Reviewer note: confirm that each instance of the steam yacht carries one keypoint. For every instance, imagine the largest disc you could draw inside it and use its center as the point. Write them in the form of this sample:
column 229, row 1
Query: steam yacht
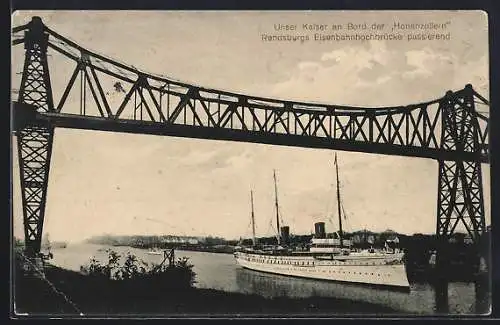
column 325, row 258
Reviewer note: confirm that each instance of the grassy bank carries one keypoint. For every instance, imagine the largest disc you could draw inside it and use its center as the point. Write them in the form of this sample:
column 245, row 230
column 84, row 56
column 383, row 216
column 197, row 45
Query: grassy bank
column 92, row 296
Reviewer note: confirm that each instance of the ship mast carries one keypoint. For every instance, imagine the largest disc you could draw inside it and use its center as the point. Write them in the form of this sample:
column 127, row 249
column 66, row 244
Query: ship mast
column 338, row 201
column 276, row 203
column 253, row 219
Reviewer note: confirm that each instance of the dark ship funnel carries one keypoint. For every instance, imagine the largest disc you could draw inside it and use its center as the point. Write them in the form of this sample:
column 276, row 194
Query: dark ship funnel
column 319, row 230
column 285, row 235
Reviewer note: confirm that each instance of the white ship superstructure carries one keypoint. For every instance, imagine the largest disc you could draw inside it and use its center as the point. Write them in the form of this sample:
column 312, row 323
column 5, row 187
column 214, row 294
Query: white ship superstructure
column 326, row 258
column 378, row 268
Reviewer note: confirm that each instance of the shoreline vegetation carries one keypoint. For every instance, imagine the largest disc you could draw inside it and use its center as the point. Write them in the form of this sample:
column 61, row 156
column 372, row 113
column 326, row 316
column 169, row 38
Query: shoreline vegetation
column 114, row 289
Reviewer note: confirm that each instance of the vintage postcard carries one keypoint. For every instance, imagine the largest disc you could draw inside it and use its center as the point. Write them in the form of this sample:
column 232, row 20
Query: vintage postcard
column 248, row 163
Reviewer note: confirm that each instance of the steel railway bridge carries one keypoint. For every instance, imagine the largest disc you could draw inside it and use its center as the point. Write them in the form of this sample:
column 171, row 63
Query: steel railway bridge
column 451, row 130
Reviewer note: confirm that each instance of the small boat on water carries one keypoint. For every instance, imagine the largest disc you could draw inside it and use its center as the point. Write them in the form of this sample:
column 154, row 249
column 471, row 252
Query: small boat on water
column 155, row 251
column 325, row 258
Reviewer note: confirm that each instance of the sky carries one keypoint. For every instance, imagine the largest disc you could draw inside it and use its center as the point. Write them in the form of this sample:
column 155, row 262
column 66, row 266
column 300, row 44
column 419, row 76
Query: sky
column 126, row 184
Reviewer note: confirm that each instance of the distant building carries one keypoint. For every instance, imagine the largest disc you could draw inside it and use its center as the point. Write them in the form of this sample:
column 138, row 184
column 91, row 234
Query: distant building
column 192, row 241
column 357, row 239
column 468, row 240
column 180, row 240
column 393, row 238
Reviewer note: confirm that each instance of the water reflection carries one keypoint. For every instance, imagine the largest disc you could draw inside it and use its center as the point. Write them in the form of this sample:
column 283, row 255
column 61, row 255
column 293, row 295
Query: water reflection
column 441, row 297
column 271, row 285
column 482, row 289
column 420, row 299
column 220, row 271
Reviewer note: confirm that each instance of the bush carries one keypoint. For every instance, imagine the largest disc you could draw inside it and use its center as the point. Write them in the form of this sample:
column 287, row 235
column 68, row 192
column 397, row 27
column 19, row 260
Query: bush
column 135, row 274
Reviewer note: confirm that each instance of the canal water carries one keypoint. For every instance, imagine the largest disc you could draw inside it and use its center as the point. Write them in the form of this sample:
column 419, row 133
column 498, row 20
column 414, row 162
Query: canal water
column 220, row 271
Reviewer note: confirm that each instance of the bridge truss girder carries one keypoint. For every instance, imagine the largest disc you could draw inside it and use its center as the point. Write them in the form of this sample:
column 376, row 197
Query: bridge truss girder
column 111, row 95
column 449, row 130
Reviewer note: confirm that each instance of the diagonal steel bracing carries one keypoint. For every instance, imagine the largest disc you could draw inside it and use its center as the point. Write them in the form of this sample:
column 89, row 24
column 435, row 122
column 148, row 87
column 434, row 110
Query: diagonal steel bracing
column 34, row 140
column 460, row 188
column 158, row 105
column 449, row 130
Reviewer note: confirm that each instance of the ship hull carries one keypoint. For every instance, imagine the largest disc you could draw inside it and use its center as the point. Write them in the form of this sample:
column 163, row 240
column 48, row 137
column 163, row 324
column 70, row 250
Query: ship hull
column 380, row 271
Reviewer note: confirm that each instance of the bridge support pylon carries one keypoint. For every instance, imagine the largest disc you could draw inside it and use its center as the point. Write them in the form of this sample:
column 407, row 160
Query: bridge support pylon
column 460, row 192
column 34, row 139
column 460, row 188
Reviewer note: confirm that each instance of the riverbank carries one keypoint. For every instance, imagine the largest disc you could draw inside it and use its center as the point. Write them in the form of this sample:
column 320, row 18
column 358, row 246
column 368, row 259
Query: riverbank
column 205, row 249
column 66, row 292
